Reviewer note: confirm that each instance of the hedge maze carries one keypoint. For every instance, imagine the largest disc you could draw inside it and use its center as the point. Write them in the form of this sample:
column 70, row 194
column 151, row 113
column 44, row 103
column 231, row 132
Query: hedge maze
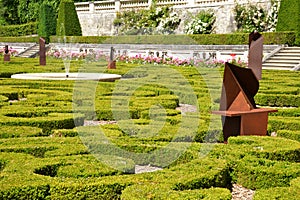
column 43, row 155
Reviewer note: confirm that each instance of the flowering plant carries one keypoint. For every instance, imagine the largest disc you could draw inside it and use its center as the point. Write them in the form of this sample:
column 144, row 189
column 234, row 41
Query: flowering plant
column 12, row 51
column 252, row 17
column 156, row 20
column 75, row 55
column 202, row 23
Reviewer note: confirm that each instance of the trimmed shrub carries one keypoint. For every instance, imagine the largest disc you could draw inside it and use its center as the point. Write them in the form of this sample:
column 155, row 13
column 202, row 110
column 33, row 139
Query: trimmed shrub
column 282, row 193
column 47, row 21
column 263, row 147
column 161, row 191
column 200, row 39
column 289, row 134
column 87, row 191
column 262, row 173
column 67, row 21
column 19, row 131
column 289, row 17
column 19, row 30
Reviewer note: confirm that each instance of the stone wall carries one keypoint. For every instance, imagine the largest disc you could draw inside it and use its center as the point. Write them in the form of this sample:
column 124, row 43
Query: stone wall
column 100, row 22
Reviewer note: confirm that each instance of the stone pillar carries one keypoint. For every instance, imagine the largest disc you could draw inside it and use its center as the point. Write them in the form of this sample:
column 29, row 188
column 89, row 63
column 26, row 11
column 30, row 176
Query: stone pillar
column 91, row 7
column 149, row 3
column 6, row 54
column 117, row 5
column 42, row 51
column 191, row 2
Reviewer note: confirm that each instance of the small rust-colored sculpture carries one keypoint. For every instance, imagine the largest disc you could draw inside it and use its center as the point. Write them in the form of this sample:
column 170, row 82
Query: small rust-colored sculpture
column 6, row 54
column 42, row 52
column 255, row 53
column 240, row 116
column 112, row 61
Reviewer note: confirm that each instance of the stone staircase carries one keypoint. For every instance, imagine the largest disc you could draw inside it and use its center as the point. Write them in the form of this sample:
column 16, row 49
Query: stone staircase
column 30, row 52
column 283, row 58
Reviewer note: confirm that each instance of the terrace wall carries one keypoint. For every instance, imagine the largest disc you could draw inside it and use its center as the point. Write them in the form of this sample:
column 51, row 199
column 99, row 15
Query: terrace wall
column 96, row 18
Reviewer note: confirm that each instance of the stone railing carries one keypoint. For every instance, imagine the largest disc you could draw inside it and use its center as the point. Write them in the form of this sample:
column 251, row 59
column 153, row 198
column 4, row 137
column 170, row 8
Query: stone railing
column 119, row 5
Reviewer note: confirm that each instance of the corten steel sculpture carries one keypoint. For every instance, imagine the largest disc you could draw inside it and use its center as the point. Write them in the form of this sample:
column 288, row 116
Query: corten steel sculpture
column 42, row 52
column 112, row 61
column 240, row 116
column 6, row 54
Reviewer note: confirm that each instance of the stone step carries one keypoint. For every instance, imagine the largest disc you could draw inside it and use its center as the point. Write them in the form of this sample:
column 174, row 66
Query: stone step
column 293, row 62
column 284, row 57
column 279, row 65
column 276, row 68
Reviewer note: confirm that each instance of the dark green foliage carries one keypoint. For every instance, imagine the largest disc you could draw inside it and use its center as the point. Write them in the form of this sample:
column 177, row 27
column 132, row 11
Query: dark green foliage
column 18, row 30
column 201, row 39
column 289, row 17
column 68, row 22
column 47, row 21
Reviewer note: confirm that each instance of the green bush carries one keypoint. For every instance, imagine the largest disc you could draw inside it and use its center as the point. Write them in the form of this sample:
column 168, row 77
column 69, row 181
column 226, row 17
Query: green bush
column 19, row 131
column 200, row 39
column 293, row 135
column 263, row 147
column 262, row 173
column 18, row 30
column 154, row 191
column 284, row 123
column 47, row 21
column 289, row 17
column 278, row 100
column 67, row 21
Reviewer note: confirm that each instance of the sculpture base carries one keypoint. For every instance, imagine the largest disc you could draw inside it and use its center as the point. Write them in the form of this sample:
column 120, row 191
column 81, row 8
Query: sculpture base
column 6, row 57
column 111, row 65
column 253, row 122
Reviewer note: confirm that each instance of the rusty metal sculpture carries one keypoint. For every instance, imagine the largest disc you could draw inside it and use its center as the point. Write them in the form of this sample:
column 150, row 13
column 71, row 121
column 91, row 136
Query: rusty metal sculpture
column 42, row 52
column 240, row 116
column 6, row 54
column 112, row 61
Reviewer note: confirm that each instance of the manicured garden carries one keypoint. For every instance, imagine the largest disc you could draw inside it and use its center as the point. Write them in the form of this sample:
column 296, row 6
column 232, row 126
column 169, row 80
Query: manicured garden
column 47, row 153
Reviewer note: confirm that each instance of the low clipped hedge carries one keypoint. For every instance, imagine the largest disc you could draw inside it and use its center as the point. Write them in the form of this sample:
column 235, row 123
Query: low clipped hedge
column 154, row 191
column 290, row 193
column 19, row 131
column 46, row 123
column 263, row 147
column 261, row 173
column 284, row 123
column 289, row 134
column 201, row 39
column 278, row 100
column 19, row 30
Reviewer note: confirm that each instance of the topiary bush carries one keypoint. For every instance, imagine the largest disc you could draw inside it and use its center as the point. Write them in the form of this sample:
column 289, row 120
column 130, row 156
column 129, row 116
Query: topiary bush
column 289, row 17
column 67, row 21
column 47, row 21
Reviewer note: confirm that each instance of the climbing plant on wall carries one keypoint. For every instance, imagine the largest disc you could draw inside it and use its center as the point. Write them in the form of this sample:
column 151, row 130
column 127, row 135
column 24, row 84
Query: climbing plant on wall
column 252, row 17
column 156, row 20
column 201, row 23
